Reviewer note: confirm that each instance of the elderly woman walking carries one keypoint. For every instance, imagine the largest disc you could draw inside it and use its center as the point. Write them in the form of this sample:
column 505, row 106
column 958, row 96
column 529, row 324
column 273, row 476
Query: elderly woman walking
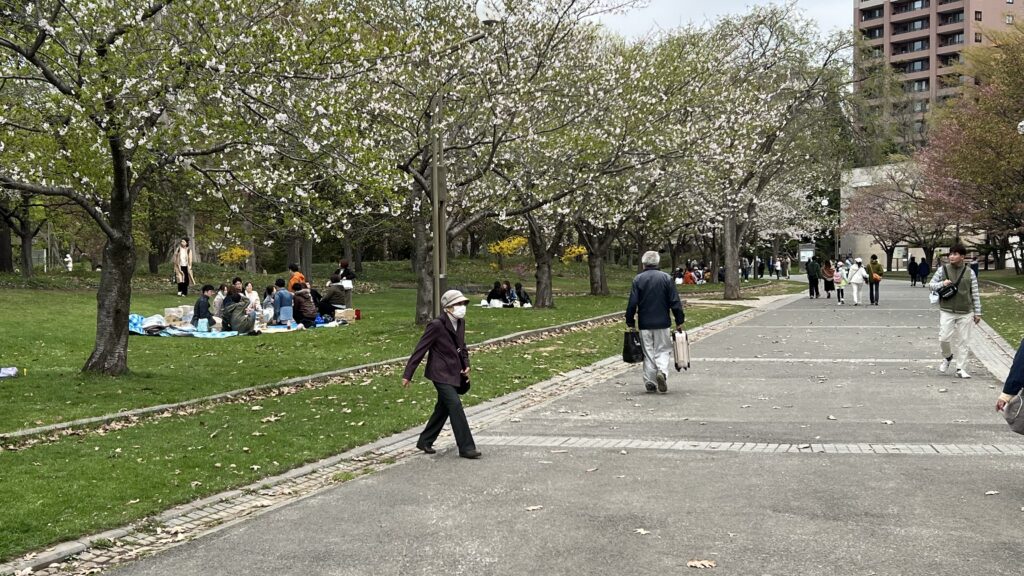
column 448, row 368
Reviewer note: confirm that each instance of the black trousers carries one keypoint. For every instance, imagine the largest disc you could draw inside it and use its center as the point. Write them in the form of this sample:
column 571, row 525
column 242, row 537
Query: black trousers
column 183, row 286
column 812, row 281
column 873, row 291
column 448, row 407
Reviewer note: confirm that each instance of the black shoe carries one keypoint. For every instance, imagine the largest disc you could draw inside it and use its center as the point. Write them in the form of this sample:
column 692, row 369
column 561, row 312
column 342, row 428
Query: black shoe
column 426, row 448
column 650, row 387
column 471, row 454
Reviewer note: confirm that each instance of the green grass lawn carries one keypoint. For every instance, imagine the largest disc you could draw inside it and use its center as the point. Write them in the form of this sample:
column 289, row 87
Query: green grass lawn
column 1004, row 307
column 84, row 484
column 52, row 347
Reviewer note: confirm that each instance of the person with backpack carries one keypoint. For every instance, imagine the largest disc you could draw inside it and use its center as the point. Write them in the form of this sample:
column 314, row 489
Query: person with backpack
column 959, row 309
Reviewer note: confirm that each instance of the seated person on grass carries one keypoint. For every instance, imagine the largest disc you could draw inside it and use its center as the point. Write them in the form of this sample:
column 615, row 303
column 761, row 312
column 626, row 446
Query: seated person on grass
column 333, row 297
column 268, row 304
column 218, row 300
column 509, row 295
column 305, row 309
column 236, row 315
column 496, row 293
column 524, row 298
column 283, row 303
column 203, row 308
column 298, row 279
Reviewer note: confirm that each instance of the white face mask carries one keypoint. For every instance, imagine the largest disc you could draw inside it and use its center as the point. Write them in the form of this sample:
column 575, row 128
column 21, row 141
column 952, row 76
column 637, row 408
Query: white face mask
column 459, row 311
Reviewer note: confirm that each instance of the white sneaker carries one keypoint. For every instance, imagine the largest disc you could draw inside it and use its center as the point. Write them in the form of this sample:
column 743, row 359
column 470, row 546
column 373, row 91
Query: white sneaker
column 961, row 373
column 944, row 365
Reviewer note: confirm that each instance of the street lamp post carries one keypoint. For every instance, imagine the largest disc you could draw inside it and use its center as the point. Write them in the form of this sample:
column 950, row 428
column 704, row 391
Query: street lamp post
column 490, row 13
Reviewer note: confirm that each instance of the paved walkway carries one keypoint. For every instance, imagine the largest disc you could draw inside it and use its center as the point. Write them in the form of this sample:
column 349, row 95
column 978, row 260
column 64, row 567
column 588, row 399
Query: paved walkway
column 808, row 439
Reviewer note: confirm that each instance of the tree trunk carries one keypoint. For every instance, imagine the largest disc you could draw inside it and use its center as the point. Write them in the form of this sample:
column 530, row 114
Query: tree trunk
column 357, row 259
column 294, row 250
column 423, row 265
column 306, row 264
column 474, row 245
column 598, row 278
column 250, row 245
column 153, row 259
column 6, row 246
column 544, row 298
column 346, row 249
column 26, row 234
column 929, row 253
column 731, row 246
column 890, row 252
column 187, row 220
column 110, row 355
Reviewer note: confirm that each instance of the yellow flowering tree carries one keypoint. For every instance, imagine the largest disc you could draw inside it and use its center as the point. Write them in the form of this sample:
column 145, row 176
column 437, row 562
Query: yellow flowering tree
column 511, row 246
column 234, row 256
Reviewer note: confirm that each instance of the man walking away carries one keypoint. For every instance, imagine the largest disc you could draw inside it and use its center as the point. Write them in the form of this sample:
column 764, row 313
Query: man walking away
column 874, row 269
column 955, row 318
column 912, row 270
column 813, row 272
column 652, row 297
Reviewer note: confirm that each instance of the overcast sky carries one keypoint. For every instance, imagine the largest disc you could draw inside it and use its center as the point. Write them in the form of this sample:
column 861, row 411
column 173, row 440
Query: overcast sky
column 668, row 14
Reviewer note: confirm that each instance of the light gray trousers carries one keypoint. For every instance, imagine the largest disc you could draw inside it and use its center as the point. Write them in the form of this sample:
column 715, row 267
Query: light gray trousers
column 657, row 353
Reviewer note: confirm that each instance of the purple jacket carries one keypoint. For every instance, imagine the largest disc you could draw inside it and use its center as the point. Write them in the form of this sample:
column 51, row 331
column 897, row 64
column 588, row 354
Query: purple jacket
column 448, row 354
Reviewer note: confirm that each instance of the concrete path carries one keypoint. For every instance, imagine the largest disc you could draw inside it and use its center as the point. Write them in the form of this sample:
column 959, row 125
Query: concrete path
column 811, row 439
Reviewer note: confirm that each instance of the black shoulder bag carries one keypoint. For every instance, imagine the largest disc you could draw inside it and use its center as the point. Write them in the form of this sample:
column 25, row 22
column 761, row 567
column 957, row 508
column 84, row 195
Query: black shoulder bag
column 947, row 292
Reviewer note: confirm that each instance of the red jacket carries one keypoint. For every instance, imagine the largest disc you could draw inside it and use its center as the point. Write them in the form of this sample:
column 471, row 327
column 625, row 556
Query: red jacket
column 448, row 354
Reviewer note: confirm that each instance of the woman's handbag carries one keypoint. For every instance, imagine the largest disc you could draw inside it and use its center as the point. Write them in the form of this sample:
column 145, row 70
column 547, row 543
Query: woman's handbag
column 876, row 278
column 632, row 348
column 464, row 384
column 1014, row 414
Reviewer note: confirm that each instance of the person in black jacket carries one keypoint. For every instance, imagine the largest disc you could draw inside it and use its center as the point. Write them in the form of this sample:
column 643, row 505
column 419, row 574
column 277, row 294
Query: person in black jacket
column 202, row 309
column 524, row 298
column 1014, row 380
column 651, row 299
column 448, row 368
column 345, row 278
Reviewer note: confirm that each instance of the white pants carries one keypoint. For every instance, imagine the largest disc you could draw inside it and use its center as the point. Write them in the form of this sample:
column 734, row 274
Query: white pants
column 657, row 353
column 857, row 288
column 955, row 335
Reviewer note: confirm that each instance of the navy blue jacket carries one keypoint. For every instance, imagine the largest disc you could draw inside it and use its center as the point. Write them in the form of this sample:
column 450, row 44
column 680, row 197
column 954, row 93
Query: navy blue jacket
column 1015, row 380
column 652, row 296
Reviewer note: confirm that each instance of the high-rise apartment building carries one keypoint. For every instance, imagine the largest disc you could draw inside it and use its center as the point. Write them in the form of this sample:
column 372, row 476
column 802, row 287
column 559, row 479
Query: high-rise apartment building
column 923, row 39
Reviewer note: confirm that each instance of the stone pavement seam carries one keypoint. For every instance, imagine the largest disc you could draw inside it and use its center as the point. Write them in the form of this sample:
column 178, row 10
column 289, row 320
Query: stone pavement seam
column 754, row 447
column 195, row 519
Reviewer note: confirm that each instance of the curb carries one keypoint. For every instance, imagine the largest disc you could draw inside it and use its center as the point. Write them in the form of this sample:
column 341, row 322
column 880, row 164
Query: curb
column 397, row 446
column 298, row 380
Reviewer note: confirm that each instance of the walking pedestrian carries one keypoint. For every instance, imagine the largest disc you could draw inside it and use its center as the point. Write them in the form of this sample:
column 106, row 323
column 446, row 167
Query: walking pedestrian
column 912, row 270
column 448, row 368
column 827, row 276
column 857, row 277
column 778, row 269
column 957, row 312
column 839, row 278
column 651, row 298
column 181, row 259
column 923, row 271
column 785, row 267
column 813, row 273
column 875, row 273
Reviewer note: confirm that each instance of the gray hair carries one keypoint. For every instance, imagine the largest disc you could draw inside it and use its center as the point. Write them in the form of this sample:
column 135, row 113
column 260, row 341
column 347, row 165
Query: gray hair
column 650, row 258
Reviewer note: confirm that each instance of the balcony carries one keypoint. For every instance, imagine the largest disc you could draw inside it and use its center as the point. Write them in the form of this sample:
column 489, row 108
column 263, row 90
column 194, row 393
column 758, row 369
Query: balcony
column 910, row 35
column 946, row 6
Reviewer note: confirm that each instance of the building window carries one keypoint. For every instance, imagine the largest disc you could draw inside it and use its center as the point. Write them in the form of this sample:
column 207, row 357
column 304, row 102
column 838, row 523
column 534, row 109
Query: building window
column 1009, row 18
column 977, row 15
column 977, row 37
column 920, row 106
